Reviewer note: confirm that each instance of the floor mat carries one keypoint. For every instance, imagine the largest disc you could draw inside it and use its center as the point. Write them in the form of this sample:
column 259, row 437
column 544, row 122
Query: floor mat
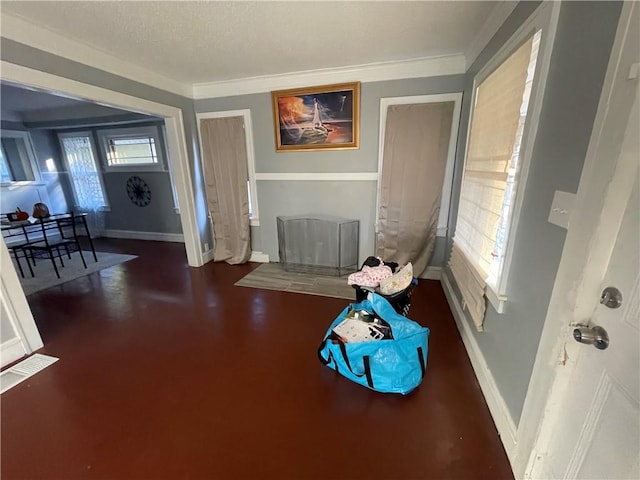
column 45, row 276
column 271, row 276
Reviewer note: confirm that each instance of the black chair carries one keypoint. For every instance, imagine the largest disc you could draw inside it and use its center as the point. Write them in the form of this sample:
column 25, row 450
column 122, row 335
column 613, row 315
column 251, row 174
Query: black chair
column 16, row 247
column 54, row 237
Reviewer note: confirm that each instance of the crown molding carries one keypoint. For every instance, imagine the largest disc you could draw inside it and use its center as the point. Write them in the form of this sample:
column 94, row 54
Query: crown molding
column 373, row 72
column 37, row 36
column 42, row 38
column 493, row 23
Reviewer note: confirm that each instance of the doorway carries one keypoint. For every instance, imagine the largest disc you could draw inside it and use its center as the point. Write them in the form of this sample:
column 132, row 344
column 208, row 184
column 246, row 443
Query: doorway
column 580, row 418
column 236, row 138
column 418, row 138
column 176, row 146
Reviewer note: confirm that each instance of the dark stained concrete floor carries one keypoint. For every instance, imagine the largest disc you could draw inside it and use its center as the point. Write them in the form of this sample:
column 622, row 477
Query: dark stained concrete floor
column 170, row 372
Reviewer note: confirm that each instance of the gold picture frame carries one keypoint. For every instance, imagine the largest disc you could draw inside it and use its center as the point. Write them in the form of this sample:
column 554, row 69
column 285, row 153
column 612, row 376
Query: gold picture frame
column 325, row 117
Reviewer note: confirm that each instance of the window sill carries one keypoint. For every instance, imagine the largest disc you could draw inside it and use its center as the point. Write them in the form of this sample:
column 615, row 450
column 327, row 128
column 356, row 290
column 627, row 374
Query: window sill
column 496, row 300
column 103, row 208
column 135, row 168
column 254, row 222
column 23, row 183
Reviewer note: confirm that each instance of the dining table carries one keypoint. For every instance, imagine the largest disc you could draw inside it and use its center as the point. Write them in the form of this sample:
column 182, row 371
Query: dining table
column 21, row 233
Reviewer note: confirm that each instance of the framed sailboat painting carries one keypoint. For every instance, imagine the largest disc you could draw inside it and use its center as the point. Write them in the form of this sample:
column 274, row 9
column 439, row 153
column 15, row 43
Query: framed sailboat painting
column 317, row 118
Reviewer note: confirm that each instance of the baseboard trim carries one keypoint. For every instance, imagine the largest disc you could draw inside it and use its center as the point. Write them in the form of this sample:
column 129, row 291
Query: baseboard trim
column 153, row 236
column 432, row 273
column 11, row 350
column 255, row 257
column 207, row 256
column 497, row 406
column 259, row 257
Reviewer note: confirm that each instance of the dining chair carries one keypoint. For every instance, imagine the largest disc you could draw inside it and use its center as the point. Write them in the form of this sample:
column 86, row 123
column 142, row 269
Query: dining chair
column 54, row 237
column 15, row 246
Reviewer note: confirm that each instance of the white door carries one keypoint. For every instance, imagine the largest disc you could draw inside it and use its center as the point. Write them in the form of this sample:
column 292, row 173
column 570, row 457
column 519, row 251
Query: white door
column 598, row 433
column 591, row 426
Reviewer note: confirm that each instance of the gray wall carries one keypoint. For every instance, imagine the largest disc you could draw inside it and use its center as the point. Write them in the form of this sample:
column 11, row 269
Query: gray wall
column 57, row 188
column 581, row 51
column 352, row 199
column 30, row 57
column 158, row 217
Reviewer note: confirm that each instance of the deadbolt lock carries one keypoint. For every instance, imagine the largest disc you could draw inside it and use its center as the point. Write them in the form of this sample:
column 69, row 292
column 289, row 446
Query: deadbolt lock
column 611, row 297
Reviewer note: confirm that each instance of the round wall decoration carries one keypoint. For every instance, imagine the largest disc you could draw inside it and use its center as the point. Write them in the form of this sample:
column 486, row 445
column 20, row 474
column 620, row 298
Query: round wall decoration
column 138, row 191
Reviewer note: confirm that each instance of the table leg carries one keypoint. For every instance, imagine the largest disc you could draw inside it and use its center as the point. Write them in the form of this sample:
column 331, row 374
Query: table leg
column 86, row 229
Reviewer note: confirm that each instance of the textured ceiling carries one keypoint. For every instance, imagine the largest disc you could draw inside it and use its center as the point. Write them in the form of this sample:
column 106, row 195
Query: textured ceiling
column 195, row 42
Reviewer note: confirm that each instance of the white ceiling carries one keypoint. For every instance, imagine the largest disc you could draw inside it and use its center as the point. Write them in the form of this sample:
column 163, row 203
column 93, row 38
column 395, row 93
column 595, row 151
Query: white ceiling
column 208, row 41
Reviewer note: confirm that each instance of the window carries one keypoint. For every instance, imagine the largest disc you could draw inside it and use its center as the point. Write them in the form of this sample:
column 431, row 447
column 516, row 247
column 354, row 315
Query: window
column 251, row 216
column 83, row 170
column 5, row 173
column 17, row 157
column 490, row 180
column 132, row 149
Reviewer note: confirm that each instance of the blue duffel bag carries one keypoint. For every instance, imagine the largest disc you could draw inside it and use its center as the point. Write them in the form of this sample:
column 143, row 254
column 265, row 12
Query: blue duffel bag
column 394, row 365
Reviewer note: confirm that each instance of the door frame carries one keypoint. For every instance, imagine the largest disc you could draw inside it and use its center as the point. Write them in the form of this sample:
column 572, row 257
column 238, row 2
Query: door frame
column 174, row 126
column 12, row 294
column 251, row 168
column 251, row 156
column 603, row 187
column 447, row 185
column 27, row 336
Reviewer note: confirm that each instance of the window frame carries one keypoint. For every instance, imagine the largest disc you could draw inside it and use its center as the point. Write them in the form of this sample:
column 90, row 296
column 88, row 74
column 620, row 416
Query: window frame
column 96, row 159
column 545, row 18
column 150, row 131
column 25, row 136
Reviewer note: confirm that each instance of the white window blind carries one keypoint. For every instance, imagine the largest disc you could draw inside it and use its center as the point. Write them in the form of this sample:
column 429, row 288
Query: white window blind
column 490, row 174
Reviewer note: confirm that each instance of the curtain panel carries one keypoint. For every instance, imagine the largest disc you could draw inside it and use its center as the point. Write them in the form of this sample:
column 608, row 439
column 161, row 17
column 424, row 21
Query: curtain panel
column 415, row 154
column 224, row 160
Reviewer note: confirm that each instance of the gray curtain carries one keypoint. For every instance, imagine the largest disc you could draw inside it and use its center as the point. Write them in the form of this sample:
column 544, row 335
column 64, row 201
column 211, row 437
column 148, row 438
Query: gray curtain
column 224, row 159
column 415, row 156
